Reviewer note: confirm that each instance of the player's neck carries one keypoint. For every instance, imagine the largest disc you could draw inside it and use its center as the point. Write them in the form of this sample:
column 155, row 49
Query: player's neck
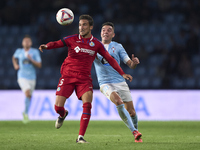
column 87, row 35
column 26, row 49
column 105, row 42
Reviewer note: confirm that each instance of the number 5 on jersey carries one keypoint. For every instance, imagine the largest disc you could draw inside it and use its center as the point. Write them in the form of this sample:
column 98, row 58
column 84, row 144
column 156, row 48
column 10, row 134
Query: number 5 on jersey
column 61, row 82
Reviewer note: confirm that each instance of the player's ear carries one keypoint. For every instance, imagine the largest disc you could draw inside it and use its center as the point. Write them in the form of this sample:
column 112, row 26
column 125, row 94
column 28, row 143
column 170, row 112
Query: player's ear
column 91, row 27
column 113, row 35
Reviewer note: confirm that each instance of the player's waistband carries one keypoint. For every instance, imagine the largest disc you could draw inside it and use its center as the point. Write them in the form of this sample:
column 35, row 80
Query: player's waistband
column 77, row 74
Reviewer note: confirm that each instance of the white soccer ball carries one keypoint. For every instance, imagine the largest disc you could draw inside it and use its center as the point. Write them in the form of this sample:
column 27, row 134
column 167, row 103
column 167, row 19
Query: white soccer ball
column 65, row 16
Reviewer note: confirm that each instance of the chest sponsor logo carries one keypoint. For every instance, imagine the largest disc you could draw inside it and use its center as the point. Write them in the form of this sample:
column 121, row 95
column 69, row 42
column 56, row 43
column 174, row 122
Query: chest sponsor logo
column 84, row 50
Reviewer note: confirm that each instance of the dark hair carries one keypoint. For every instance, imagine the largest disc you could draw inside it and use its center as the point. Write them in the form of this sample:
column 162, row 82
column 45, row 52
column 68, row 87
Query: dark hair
column 27, row 36
column 87, row 17
column 109, row 24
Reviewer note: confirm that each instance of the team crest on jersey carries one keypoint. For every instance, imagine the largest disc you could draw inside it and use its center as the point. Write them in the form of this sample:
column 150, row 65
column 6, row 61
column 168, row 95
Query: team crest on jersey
column 58, row 89
column 92, row 44
column 113, row 49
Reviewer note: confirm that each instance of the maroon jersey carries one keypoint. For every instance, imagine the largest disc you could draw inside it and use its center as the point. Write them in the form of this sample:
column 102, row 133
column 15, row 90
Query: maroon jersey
column 81, row 54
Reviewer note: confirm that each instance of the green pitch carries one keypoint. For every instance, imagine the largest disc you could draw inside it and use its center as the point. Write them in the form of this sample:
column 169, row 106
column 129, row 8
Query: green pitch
column 102, row 135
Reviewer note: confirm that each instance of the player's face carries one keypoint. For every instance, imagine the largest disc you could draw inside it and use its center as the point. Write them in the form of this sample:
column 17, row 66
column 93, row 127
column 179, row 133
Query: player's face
column 107, row 33
column 84, row 28
column 26, row 43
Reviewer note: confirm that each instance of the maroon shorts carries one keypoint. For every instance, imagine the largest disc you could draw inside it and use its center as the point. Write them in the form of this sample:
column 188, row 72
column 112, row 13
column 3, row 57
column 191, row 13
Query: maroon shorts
column 67, row 84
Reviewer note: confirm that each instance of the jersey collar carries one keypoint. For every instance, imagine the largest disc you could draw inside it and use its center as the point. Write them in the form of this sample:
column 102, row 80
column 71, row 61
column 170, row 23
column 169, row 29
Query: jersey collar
column 80, row 37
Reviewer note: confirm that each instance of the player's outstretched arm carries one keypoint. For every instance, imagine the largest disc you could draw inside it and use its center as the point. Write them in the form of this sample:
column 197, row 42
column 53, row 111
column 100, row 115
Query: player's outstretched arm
column 51, row 45
column 43, row 46
column 133, row 63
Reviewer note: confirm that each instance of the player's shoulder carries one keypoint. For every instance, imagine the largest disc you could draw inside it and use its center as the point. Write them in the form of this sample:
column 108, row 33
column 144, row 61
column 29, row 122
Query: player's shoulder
column 71, row 36
column 97, row 41
column 35, row 50
column 19, row 50
column 114, row 43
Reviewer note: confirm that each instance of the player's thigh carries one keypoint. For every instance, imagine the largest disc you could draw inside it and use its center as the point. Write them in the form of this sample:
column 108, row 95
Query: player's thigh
column 87, row 97
column 24, row 84
column 32, row 84
column 107, row 90
column 115, row 98
column 60, row 101
column 84, row 90
column 110, row 92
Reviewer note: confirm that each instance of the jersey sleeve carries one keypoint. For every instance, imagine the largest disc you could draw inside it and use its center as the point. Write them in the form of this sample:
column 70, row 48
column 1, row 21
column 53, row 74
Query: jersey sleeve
column 102, row 51
column 37, row 56
column 55, row 44
column 16, row 54
column 123, row 54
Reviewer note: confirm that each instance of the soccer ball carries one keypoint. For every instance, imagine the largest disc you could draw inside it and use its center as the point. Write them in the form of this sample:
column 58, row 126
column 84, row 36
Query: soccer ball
column 65, row 16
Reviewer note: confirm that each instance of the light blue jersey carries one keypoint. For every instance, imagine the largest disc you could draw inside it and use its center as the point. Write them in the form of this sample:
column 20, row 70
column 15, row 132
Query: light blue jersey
column 26, row 68
column 105, row 72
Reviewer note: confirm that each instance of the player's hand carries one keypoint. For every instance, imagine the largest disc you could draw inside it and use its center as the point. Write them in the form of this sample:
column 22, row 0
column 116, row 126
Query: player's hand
column 127, row 77
column 16, row 67
column 43, row 46
column 135, row 60
column 29, row 57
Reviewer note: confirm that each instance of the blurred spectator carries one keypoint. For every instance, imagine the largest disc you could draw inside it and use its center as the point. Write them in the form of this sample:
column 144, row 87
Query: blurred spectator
column 165, row 30
column 184, row 67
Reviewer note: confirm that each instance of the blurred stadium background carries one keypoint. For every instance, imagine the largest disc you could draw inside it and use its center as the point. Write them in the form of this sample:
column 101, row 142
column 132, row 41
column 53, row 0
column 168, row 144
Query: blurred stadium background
column 164, row 34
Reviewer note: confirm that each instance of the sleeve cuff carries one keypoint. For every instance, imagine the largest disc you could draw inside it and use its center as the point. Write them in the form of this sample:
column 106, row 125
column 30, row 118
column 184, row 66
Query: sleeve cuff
column 126, row 59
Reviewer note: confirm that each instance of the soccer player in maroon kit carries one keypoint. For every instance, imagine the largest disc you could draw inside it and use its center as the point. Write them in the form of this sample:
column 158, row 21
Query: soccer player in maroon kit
column 76, row 71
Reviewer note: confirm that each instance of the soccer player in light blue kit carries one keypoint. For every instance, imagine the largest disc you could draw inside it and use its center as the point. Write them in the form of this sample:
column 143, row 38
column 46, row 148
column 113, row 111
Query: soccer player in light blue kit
column 112, row 85
column 25, row 60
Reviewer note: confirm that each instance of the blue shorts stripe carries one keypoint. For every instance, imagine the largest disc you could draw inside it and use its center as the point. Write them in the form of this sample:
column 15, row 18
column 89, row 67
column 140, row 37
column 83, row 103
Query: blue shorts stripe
column 86, row 113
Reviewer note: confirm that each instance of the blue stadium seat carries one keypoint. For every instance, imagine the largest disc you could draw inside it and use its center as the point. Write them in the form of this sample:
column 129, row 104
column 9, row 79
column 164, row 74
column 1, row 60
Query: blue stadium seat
column 146, row 39
column 2, row 72
column 26, row 30
column 155, row 60
column 141, row 71
column 177, row 83
column 149, row 48
column 4, row 30
column 151, row 71
column 41, row 83
column 190, row 83
column 11, row 72
column 47, row 71
column 14, row 30
column 118, row 28
column 162, row 28
column 156, row 82
column 144, row 83
column 129, row 28
column 197, row 71
column 152, row 28
column 196, row 60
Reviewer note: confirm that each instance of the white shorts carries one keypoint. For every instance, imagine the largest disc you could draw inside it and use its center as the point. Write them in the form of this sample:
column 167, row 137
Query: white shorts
column 121, row 88
column 26, row 84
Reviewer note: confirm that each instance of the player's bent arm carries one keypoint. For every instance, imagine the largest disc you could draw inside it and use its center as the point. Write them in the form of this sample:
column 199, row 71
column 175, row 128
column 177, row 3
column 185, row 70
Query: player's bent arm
column 133, row 63
column 115, row 65
column 15, row 65
column 51, row 45
column 36, row 64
